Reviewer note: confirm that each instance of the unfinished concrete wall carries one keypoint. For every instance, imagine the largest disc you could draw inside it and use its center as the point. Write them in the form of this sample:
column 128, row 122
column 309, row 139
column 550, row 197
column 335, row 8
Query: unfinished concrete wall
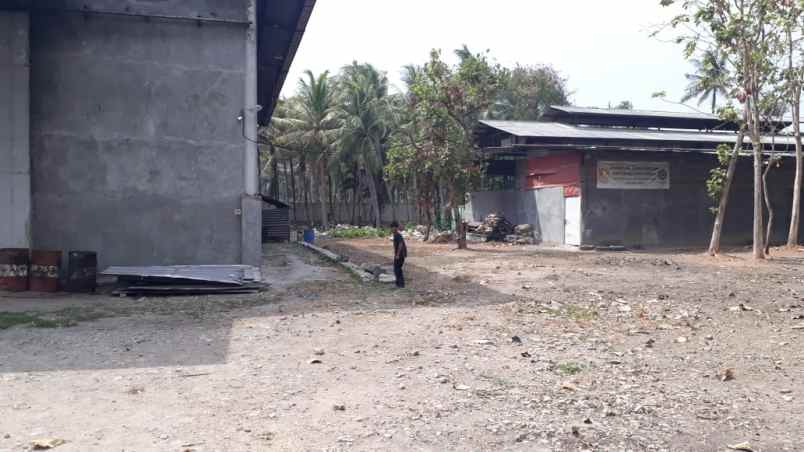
column 543, row 208
column 679, row 216
column 15, row 178
column 137, row 153
column 483, row 203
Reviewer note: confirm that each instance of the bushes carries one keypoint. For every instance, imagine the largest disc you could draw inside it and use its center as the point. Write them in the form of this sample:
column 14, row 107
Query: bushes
column 357, row 232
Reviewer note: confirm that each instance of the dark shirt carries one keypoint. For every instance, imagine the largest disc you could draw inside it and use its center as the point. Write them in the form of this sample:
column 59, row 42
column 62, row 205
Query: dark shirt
column 400, row 249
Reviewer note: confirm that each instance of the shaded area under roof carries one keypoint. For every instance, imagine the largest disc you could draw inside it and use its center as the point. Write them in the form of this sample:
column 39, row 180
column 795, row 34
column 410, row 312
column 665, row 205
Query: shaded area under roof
column 646, row 118
column 281, row 27
column 534, row 134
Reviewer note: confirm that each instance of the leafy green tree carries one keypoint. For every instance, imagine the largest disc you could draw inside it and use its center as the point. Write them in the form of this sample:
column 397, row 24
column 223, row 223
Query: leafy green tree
column 709, row 79
column 445, row 103
column 527, row 91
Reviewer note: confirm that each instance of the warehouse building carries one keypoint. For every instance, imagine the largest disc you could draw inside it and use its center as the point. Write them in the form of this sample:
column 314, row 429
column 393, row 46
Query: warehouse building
column 586, row 176
column 128, row 127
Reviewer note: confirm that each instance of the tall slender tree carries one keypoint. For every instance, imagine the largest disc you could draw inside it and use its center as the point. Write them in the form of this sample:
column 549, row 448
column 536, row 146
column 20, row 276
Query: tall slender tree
column 365, row 126
column 310, row 128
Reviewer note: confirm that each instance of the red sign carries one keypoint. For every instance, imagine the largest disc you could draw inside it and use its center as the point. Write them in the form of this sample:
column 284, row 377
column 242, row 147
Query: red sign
column 557, row 169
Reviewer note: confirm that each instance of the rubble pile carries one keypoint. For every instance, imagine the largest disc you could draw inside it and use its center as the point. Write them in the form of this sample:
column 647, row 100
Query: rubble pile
column 523, row 235
column 494, row 227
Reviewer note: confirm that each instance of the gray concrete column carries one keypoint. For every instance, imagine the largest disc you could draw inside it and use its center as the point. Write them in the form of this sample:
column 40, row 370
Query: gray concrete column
column 15, row 160
column 251, row 204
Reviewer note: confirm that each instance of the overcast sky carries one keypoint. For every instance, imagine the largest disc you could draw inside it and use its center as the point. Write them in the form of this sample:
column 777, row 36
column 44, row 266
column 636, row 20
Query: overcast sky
column 603, row 48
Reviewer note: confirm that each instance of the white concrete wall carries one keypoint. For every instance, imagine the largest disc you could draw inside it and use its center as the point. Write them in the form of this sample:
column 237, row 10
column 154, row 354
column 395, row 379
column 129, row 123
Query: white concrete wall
column 15, row 161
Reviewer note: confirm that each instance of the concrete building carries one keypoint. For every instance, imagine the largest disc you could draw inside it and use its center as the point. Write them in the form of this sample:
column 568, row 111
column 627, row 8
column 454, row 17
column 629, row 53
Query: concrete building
column 619, row 177
column 127, row 127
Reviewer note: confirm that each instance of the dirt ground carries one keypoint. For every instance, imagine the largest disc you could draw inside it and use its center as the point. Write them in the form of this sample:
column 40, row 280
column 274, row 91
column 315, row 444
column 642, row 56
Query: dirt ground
column 494, row 348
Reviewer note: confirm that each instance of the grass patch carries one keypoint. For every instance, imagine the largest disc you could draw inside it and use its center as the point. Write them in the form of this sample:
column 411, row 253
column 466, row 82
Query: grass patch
column 11, row 319
column 581, row 313
column 569, row 368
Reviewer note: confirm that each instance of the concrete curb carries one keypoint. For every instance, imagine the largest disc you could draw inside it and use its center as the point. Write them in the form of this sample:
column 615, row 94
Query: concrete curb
column 356, row 270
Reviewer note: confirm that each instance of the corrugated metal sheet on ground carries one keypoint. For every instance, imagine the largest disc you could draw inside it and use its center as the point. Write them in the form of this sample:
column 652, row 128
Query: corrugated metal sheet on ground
column 222, row 274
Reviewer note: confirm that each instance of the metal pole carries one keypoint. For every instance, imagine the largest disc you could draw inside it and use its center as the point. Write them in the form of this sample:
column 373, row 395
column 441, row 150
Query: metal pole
column 251, row 108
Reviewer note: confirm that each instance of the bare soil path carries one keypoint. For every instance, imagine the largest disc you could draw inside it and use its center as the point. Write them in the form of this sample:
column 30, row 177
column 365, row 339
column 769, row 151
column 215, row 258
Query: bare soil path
column 495, row 348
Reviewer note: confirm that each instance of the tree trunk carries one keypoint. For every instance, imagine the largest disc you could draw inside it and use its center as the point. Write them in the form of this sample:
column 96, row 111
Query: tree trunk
column 795, row 218
column 446, row 210
column 355, row 189
column 322, row 193
column 714, row 101
column 461, row 230
column 769, row 230
column 429, row 225
column 717, row 229
column 375, row 200
column 293, row 188
column 274, row 188
column 333, row 211
column 307, row 193
column 759, row 248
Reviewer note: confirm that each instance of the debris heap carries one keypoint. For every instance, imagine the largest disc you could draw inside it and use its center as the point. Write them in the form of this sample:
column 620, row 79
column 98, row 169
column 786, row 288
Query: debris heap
column 494, row 227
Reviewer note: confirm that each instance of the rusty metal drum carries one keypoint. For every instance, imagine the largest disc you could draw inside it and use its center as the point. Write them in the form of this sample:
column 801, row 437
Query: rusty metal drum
column 82, row 271
column 14, row 265
column 45, row 271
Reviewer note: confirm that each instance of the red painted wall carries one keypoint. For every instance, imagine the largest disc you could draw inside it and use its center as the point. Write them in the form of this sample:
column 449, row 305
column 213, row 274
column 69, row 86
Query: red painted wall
column 555, row 170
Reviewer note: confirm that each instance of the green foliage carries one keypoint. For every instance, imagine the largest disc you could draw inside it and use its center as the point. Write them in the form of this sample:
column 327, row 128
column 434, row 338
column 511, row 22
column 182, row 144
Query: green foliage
column 569, row 368
column 11, row 319
column 624, row 105
column 710, row 77
column 351, row 232
column 717, row 176
column 527, row 91
column 366, row 123
column 435, row 143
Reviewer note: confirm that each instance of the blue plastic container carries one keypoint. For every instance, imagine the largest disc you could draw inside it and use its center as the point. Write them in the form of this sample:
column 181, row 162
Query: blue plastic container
column 309, row 236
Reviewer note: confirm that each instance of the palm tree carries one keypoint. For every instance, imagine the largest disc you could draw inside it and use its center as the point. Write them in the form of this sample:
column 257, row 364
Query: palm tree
column 310, row 129
column 365, row 126
column 709, row 78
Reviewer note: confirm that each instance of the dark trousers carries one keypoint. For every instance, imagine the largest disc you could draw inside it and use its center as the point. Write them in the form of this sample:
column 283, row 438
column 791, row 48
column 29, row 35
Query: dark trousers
column 400, row 277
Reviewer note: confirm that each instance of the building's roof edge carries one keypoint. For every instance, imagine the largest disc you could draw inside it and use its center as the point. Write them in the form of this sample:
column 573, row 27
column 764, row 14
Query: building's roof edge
column 547, row 130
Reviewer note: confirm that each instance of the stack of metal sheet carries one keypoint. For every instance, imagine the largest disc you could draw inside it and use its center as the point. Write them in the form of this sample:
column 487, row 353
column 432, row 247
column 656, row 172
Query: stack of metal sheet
column 187, row 280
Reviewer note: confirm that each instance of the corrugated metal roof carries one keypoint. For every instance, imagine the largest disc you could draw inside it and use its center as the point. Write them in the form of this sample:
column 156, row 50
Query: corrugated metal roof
column 636, row 113
column 645, row 113
column 650, row 119
column 533, row 129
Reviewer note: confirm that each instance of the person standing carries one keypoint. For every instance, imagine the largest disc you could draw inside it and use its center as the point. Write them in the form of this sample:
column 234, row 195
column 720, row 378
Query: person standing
column 400, row 254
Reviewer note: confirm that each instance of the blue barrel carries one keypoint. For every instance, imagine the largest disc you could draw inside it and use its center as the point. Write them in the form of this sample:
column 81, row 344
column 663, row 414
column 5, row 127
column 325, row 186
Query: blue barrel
column 309, row 236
